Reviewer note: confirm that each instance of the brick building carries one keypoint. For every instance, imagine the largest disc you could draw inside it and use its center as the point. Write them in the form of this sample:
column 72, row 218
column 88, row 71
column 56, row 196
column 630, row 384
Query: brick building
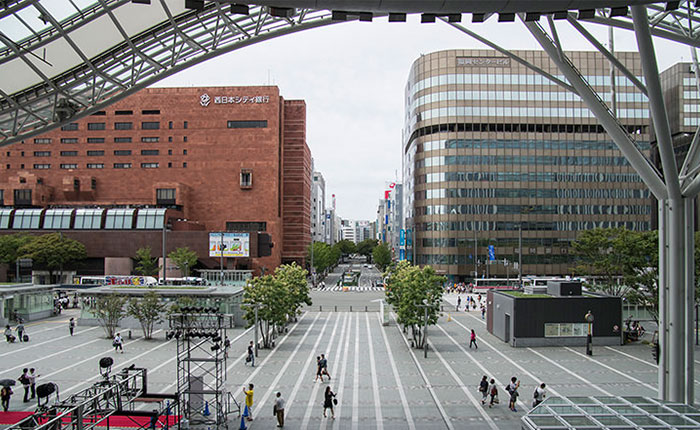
column 219, row 158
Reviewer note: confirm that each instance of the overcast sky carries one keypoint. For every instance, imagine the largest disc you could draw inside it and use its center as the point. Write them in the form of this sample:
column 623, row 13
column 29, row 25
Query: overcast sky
column 352, row 77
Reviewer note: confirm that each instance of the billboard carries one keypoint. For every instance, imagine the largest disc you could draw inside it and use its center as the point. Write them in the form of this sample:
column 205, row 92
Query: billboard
column 235, row 244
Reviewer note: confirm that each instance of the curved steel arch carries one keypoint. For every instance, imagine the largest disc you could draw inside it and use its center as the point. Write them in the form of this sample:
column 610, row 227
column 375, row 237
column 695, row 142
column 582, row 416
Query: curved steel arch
column 175, row 44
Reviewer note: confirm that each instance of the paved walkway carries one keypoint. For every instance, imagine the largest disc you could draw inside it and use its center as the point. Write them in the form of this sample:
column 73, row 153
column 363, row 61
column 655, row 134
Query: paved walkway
column 381, row 383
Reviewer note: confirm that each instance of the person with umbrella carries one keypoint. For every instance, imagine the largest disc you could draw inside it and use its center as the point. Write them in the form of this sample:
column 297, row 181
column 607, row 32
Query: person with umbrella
column 6, row 393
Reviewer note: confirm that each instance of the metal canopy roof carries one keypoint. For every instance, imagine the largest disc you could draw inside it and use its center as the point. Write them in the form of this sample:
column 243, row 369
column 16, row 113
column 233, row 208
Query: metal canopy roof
column 61, row 60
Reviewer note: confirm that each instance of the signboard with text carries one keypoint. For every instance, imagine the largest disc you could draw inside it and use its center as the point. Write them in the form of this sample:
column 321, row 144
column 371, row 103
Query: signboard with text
column 234, row 244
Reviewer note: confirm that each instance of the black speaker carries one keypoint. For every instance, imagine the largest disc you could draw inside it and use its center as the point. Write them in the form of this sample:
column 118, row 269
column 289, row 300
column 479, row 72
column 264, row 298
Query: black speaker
column 45, row 390
column 265, row 245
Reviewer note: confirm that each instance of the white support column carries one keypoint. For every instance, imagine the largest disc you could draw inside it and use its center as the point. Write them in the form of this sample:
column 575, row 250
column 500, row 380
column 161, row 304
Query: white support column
column 663, row 295
column 689, row 300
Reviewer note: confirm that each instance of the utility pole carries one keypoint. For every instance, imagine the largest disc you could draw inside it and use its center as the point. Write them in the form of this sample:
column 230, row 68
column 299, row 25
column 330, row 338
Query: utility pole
column 476, row 256
column 165, row 265
column 221, row 258
column 520, row 254
column 256, row 329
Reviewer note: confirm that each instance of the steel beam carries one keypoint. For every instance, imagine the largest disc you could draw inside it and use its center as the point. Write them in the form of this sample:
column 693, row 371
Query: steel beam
column 639, row 162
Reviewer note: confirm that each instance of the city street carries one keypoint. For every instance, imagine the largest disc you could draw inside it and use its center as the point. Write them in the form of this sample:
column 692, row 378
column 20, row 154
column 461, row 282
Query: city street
column 380, row 382
column 369, row 277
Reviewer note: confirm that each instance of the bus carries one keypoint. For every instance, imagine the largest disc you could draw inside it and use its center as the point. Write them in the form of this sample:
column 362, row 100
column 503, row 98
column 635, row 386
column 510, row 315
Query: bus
column 541, row 281
column 116, row 280
column 481, row 285
column 188, row 280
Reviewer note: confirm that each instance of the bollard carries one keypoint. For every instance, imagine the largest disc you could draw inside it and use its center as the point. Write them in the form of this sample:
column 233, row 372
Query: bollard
column 365, row 308
column 350, row 308
column 129, row 334
column 320, row 308
column 335, row 308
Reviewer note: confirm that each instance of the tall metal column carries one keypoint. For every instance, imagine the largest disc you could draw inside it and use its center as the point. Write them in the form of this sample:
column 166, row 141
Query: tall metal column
column 689, row 300
column 663, row 295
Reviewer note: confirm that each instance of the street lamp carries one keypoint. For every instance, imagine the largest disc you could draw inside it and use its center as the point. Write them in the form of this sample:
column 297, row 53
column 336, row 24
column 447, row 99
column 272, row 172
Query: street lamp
column 255, row 308
column 222, row 246
column 589, row 339
column 425, row 307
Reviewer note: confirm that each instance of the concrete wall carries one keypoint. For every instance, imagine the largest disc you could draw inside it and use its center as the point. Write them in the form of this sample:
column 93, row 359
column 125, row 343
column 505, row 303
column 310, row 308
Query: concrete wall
column 118, row 265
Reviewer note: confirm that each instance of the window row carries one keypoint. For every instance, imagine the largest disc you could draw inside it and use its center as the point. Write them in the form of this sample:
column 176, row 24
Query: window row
column 121, row 139
column 514, row 193
column 534, row 209
column 510, row 79
column 527, row 177
column 557, row 96
column 72, row 166
column 81, row 219
column 458, row 242
column 529, row 225
column 452, row 259
column 522, row 144
column 451, row 160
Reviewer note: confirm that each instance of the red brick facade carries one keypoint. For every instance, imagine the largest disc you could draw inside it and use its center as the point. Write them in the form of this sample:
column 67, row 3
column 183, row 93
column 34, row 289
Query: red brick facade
column 180, row 138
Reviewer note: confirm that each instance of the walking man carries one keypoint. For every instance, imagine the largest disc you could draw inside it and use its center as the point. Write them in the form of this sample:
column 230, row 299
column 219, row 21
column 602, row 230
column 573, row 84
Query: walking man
column 484, row 389
column 539, row 395
column 459, row 302
column 324, row 367
column 279, row 409
column 24, row 380
column 249, row 400
column 71, row 326
column 318, row 369
column 118, row 343
column 512, row 389
column 483, row 311
column 20, row 331
column 472, row 340
column 32, row 381
column 251, row 355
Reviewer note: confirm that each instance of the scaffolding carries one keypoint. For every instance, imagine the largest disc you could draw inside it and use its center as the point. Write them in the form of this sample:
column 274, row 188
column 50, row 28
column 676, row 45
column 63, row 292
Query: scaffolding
column 201, row 367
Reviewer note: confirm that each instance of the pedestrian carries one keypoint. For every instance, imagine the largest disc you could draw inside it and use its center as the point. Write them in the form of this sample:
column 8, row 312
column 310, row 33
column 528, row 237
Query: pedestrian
column 71, row 326
column 32, row 381
column 512, row 389
column 459, row 302
column 117, row 343
column 249, row 400
column 279, row 409
column 20, row 331
column 8, row 334
column 484, row 389
column 466, row 305
column 251, row 355
column 493, row 392
column 5, row 395
column 227, row 345
column 539, row 395
column 472, row 340
column 24, row 380
column 324, row 367
column 318, row 369
column 483, row 311
column 328, row 401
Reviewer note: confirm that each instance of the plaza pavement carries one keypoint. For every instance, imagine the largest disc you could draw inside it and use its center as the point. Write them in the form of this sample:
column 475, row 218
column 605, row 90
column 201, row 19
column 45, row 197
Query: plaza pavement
column 381, row 383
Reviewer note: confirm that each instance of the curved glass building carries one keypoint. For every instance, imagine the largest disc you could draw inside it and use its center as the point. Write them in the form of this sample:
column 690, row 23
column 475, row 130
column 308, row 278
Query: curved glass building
column 492, row 148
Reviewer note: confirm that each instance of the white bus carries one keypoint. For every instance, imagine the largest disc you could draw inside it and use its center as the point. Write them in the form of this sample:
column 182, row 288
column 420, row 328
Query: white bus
column 117, row 280
column 481, row 285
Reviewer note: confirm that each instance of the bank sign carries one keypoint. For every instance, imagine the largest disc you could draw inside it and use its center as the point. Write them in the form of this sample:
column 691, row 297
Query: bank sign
column 234, row 244
column 205, row 100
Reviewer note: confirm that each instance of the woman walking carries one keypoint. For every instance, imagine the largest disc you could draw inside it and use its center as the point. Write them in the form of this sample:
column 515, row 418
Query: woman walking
column 328, row 401
column 472, row 340
column 493, row 392
column 117, row 343
column 484, row 389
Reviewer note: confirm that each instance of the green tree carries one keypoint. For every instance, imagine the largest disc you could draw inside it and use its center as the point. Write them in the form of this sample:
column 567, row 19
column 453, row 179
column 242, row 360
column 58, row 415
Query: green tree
column 322, row 258
column 10, row 244
column 366, row 247
column 382, row 256
column 148, row 311
column 346, row 247
column 146, row 265
column 602, row 256
column 108, row 311
column 269, row 295
column 53, row 251
column 184, row 258
column 411, row 288
column 294, row 279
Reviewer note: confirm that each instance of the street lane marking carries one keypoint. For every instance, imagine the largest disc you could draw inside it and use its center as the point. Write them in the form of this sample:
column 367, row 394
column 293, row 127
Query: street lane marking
column 461, row 385
column 32, row 363
column 375, row 381
column 314, row 390
column 356, row 378
column 576, row 375
column 631, row 378
column 443, row 414
column 341, row 390
column 397, row 378
column 45, row 342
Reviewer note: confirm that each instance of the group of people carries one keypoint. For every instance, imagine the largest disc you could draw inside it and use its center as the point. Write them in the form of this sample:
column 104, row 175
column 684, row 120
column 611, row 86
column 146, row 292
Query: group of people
column 472, row 302
column 459, row 288
column 489, row 392
column 28, row 381
column 19, row 329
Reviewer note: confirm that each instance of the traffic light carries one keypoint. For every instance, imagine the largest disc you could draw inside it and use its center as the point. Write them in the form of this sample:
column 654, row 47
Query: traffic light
column 655, row 351
column 265, row 245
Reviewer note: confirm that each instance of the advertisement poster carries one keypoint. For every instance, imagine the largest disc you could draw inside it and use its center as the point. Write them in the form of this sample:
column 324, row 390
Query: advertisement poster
column 235, row 244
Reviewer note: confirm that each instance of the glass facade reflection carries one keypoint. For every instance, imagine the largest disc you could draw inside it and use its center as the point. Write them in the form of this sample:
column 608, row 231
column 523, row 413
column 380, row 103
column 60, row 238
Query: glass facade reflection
column 490, row 150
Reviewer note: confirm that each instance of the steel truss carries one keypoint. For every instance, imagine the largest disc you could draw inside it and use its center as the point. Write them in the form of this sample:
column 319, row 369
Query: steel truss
column 201, row 368
column 675, row 189
column 90, row 408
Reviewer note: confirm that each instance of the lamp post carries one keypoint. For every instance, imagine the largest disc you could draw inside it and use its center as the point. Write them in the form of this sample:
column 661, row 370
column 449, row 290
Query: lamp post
column 425, row 306
column 256, row 329
column 589, row 339
column 520, row 254
column 165, row 263
column 222, row 246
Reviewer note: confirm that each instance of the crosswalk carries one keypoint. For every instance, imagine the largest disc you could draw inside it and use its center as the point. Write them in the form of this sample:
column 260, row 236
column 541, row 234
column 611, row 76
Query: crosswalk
column 360, row 288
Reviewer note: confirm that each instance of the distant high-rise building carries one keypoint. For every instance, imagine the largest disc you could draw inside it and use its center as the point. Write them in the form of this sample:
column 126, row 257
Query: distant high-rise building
column 318, row 207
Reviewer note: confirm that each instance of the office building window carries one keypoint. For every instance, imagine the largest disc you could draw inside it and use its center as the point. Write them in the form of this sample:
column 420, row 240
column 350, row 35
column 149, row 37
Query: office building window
column 95, row 166
column 23, row 198
column 43, row 140
column 170, row 165
column 124, row 112
column 69, row 153
column 246, row 178
column 170, row 124
column 42, row 166
column 69, row 140
column 184, row 138
column 122, row 152
column 42, row 153
column 55, row 219
column 69, row 166
column 247, row 124
column 149, row 165
column 150, row 112
column 122, row 140
column 170, row 138
column 184, row 152
column 95, row 153
column 184, row 165
column 185, row 125
column 88, row 219
column 96, row 140
column 96, row 126
column 119, row 219
column 150, row 125
column 246, row 226
column 26, row 218
column 99, row 113
column 122, row 165
column 150, row 139
column 149, row 152
column 123, row 126
column 170, row 152
column 150, row 218
column 73, row 126
column 165, row 196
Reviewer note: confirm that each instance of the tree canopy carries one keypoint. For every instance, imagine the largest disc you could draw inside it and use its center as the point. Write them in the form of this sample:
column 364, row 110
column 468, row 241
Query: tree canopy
column 10, row 244
column 53, row 251
column 366, row 247
column 146, row 265
column 108, row 311
column 148, row 310
column 346, row 247
column 382, row 256
column 184, row 258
